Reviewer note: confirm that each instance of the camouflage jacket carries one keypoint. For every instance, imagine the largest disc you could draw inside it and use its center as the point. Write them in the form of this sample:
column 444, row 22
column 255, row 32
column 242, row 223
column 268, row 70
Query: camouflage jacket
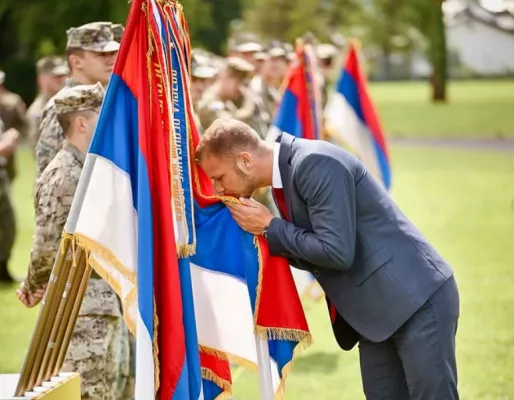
column 34, row 114
column 51, row 134
column 55, row 189
column 244, row 109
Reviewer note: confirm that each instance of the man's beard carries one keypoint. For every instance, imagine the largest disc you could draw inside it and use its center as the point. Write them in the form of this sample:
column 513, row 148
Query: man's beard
column 249, row 185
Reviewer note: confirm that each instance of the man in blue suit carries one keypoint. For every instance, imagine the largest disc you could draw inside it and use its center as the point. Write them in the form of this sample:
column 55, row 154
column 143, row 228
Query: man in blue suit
column 387, row 288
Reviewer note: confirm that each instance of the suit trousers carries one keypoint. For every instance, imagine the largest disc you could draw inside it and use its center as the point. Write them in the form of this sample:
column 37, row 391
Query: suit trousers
column 418, row 361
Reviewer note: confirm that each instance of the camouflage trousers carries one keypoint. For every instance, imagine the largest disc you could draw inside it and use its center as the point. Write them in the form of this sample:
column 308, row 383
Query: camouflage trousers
column 99, row 351
column 7, row 218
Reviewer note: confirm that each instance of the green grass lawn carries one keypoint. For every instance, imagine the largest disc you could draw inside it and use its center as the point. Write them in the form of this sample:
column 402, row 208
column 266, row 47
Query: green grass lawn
column 480, row 108
column 462, row 200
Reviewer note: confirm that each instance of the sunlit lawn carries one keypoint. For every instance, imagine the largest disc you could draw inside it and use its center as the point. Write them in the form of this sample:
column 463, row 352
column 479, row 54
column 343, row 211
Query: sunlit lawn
column 462, row 200
column 479, row 108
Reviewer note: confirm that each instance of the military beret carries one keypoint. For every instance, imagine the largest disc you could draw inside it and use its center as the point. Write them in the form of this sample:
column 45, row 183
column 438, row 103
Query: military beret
column 95, row 36
column 52, row 65
column 79, row 98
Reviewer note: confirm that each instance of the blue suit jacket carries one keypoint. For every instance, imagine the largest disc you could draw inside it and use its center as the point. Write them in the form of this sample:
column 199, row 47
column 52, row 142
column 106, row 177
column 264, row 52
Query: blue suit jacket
column 374, row 265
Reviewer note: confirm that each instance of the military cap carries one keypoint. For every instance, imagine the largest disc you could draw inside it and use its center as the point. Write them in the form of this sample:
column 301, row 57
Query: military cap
column 52, row 65
column 326, row 51
column 291, row 56
column 117, row 31
column 248, row 47
column 240, row 64
column 79, row 98
column 261, row 56
column 95, row 36
column 201, row 69
column 2, row 77
column 277, row 51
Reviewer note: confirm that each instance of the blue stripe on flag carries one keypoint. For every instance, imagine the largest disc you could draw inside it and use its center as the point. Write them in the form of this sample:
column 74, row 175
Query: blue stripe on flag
column 181, row 133
column 286, row 118
column 119, row 141
column 192, row 362
column 218, row 234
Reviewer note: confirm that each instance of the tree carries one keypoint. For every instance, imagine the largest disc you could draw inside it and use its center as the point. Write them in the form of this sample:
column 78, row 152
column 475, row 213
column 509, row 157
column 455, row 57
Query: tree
column 428, row 16
column 286, row 20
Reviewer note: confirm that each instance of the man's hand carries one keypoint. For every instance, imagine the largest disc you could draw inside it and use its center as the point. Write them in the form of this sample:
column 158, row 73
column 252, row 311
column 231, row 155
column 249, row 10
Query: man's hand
column 251, row 215
column 28, row 299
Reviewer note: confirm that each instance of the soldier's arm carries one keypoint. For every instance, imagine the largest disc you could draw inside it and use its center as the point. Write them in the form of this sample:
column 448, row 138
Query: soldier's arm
column 50, row 139
column 53, row 202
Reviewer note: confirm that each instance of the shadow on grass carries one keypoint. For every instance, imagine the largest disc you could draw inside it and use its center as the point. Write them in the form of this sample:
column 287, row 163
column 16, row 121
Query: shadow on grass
column 316, row 362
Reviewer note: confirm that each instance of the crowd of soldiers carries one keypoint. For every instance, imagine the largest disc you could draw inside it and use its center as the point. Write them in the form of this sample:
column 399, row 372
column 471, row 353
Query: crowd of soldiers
column 247, row 85
column 59, row 126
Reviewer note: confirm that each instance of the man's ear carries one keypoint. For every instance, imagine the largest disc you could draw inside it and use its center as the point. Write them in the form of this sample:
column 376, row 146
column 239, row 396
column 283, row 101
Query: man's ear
column 80, row 123
column 245, row 160
column 76, row 62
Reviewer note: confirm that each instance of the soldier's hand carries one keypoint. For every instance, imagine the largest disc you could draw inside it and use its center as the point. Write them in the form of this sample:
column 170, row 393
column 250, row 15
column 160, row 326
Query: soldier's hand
column 8, row 141
column 11, row 135
column 30, row 299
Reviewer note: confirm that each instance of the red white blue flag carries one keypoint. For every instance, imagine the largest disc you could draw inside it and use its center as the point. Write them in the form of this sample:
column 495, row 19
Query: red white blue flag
column 299, row 112
column 351, row 118
column 196, row 289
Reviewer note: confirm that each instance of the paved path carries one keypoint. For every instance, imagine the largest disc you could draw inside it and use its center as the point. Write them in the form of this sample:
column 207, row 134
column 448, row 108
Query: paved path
column 465, row 144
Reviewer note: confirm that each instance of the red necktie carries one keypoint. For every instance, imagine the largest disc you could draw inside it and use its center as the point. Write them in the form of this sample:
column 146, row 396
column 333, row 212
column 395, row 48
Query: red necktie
column 278, row 194
column 281, row 201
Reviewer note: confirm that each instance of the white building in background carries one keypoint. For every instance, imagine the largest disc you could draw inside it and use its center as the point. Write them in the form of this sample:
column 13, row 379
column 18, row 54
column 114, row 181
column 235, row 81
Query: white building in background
column 482, row 40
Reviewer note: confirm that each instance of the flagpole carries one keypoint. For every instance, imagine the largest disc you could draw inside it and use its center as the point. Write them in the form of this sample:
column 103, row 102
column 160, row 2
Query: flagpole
column 264, row 361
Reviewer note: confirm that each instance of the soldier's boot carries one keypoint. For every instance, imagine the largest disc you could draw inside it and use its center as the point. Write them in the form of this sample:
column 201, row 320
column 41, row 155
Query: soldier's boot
column 5, row 275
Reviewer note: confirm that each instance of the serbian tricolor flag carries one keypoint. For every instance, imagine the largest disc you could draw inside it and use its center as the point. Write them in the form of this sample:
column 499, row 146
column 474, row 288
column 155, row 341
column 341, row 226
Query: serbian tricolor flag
column 299, row 112
column 136, row 207
column 145, row 209
column 241, row 294
column 351, row 119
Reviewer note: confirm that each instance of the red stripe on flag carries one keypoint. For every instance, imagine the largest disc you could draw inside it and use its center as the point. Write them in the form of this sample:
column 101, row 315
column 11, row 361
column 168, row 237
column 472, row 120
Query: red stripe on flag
column 154, row 142
column 219, row 369
column 298, row 85
column 279, row 304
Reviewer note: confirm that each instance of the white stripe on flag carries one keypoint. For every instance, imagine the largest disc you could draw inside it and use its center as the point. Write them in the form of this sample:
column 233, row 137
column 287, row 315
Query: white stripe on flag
column 341, row 120
column 224, row 318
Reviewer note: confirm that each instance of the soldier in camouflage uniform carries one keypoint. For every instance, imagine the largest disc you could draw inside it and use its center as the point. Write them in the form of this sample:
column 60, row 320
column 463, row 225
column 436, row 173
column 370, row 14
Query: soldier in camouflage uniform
column 230, row 96
column 99, row 345
column 91, row 51
column 8, row 140
column 51, row 77
column 12, row 113
column 326, row 54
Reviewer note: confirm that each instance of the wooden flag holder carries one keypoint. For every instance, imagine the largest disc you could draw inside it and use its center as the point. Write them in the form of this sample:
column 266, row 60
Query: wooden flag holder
column 64, row 386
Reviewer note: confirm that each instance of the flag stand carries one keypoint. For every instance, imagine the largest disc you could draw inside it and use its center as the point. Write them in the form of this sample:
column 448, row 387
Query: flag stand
column 63, row 298
column 264, row 361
